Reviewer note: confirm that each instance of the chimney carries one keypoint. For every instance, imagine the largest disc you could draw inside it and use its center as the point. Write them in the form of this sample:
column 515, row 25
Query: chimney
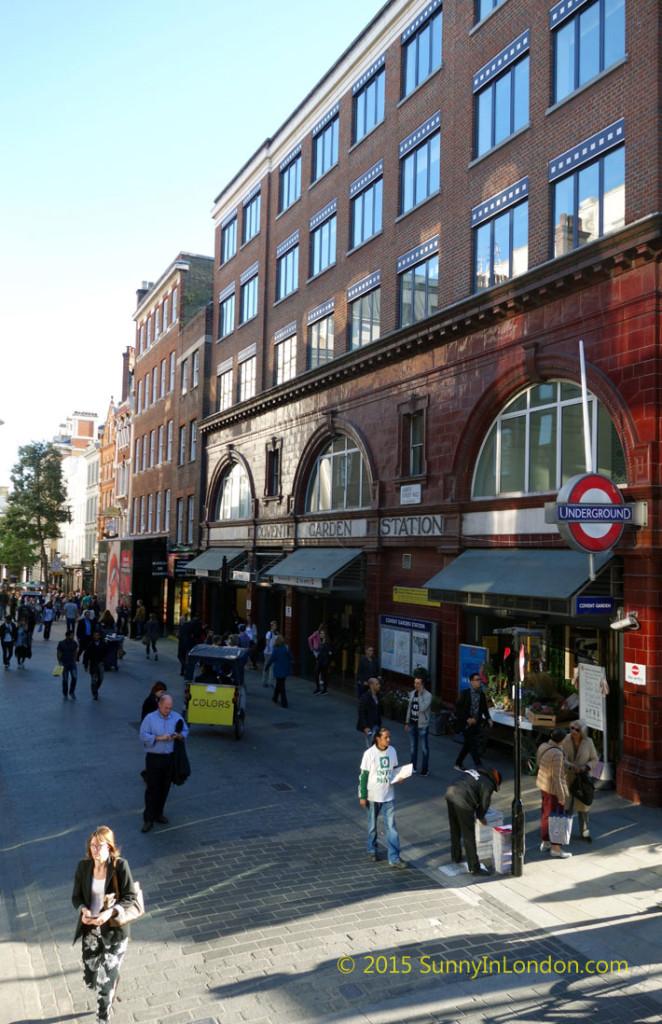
column 142, row 291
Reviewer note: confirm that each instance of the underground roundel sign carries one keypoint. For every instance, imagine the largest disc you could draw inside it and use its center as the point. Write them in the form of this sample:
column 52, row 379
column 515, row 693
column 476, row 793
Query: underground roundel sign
column 591, row 513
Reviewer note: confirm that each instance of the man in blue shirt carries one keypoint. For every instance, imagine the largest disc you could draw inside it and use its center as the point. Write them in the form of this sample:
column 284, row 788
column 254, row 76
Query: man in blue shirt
column 159, row 732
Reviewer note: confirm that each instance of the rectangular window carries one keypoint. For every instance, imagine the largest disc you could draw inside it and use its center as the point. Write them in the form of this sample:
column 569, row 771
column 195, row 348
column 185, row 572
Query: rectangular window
column 226, row 317
column 416, row 421
column 165, row 316
column 166, row 511
column 249, row 300
column 190, row 519
column 247, row 374
column 136, row 455
column 251, row 220
column 421, row 52
column 586, row 43
column 163, row 379
column 157, row 322
column 419, row 173
column 286, row 360
column 175, row 294
column 367, row 213
column 320, row 342
column 141, row 339
column 139, row 397
column 195, row 370
column 155, row 384
column 134, row 517
column 323, row 246
column 160, row 446
column 364, row 319
column 501, row 247
column 287, row 273
column 228, row 240
column 193, row 441
column 169, row 442
column 484, row 7
column 157, row 513
column 171, row 380
column 589, row 202
column 150, row 513
column 224, row 391
column 152, row 449
column 502, row 107
column 149, row 331
column 180, row 521
column 290, row 184
column 272, row 482
column 369, row 105
column 143, row 464
column 325, row 149
column 184, row 384
column 142, row 514
column 182, row 445
column 419, row 291
column 146, row 391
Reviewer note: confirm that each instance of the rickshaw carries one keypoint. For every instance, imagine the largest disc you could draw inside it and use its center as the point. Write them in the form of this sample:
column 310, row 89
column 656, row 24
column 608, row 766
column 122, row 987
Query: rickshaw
column 217, row 696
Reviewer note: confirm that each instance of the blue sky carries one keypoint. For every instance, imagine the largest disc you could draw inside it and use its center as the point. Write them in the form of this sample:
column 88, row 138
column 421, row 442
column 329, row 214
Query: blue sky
column 121, row 123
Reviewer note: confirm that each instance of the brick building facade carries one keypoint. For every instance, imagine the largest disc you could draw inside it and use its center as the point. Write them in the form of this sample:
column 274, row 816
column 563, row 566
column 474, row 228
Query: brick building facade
column 402, row 276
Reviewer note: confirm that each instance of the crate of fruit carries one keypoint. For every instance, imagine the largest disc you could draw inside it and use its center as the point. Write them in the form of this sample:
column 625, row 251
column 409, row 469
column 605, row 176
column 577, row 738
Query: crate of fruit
column 542, row 717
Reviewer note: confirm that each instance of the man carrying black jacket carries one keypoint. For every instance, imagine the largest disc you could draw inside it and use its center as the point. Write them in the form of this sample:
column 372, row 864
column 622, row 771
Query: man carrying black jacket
column 472, row 716
column 469, row 798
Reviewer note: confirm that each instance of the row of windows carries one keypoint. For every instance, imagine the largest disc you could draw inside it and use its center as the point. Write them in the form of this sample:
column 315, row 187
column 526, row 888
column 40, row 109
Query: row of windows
column 586, row 204
column 155, row 385
column 160, row 318
column 534, row 446
column 584, row 44
column 151, row 514
column 156, row 447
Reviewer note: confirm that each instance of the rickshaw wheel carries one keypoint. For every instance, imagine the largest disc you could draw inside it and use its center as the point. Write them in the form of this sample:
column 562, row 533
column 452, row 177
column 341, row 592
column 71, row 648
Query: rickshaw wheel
column 239, row 725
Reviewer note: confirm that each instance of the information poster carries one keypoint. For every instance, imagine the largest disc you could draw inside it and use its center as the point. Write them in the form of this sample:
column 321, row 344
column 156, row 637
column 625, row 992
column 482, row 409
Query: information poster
column 471, row 659
column 592, row 690
column 406, row 644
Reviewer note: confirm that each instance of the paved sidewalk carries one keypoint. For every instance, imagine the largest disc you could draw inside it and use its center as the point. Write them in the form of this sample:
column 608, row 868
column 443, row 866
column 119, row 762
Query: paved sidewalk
column 259, row 890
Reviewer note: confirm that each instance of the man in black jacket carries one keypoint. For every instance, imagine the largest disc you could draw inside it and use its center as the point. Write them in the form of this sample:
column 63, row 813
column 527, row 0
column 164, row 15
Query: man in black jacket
column 472, row 716
column 370, row 718
column 468, row 798
column 94, row 657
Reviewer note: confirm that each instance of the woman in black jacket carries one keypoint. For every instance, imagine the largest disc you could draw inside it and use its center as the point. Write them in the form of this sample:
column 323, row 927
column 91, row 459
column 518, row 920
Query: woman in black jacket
column 103, row 888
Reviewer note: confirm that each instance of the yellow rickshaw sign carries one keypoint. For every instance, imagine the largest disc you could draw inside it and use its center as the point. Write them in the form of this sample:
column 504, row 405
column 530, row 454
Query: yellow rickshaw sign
column 211, row 704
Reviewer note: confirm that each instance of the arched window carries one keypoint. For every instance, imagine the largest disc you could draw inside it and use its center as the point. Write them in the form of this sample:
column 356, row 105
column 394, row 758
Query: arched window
column 537, row 443
column 339, row 479
column 234, row 500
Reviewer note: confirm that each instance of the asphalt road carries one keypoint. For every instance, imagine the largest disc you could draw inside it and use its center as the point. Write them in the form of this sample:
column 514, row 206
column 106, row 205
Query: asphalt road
column 262, row 905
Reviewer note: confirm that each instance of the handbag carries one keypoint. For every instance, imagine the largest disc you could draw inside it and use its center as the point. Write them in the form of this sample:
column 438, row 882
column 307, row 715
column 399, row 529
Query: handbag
column 58, row 670
column 582, row 787
column 560, row 829
column 128, row 914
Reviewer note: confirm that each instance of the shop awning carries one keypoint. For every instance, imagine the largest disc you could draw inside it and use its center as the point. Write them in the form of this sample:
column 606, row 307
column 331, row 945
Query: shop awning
column 523, row 580
column 319, row 569
column 212, row 560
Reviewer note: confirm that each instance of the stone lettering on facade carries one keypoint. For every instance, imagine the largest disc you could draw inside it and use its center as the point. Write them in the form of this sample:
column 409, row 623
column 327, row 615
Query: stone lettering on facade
column 411, row 526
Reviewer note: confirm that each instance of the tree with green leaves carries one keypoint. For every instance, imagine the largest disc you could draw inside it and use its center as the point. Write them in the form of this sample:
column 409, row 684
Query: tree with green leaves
column 38, row 502
column 16, row 553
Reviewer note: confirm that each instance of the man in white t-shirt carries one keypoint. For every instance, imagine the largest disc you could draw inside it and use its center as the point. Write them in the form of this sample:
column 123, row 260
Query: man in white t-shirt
column 376, row 795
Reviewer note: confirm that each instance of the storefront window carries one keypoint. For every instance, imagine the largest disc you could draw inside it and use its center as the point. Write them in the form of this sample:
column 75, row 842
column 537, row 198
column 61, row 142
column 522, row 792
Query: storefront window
column 339, row 480
column 537, row 443
column 234, row 501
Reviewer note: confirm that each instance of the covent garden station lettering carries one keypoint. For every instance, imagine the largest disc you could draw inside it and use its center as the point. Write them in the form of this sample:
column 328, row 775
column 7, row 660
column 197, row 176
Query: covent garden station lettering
column 325, row 529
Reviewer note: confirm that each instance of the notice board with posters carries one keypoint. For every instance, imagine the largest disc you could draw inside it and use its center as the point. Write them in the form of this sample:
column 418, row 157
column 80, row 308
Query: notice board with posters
column 406, row 644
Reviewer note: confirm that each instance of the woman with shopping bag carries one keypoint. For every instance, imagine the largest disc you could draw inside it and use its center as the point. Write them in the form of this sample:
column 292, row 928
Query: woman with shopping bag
column 551, row 781
column 581, row 757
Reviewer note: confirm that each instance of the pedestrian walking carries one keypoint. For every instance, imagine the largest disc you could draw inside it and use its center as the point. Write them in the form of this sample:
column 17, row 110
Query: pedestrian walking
column 269, row 638
column 103, row 889
column 472, row 716
column 323, row 662
column 23, row 644
column 581, row 757
column 67, row 656
column 139, row 619
column 468, row 799
column 47, row 617
column 370, row 718
column 281, row 661
column 94, row 657
column 9, row 634
column 70, row 613
column 367, row 668
column 551, row 781
column 417, row 724
column 152, row 634
column 377, row 796
column 159, row 732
